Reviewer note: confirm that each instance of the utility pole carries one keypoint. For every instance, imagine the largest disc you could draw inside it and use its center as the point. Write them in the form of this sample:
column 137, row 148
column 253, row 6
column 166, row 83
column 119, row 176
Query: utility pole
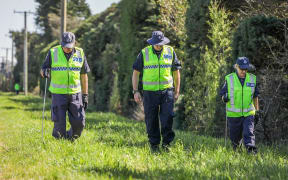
column 12, row 53
column 6, row 59
column 2, row 77
column 12, row 65
column 12, row 59
column 63, row 17
column 6, row 69
column 12, row 49
column 25, row 62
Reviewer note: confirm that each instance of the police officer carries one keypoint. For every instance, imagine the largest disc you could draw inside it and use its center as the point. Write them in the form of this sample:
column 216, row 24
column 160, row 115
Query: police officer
column 160, row 68
column 68, row 68
column 240, row 93
column 17, row 88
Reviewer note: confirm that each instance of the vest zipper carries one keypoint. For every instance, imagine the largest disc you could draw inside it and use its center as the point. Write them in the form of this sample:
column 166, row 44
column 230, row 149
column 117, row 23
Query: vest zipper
column 68, row 75
column 159, row 73
column 242, row 101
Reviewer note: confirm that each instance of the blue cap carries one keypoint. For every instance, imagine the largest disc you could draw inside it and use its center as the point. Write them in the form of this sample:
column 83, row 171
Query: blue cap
column 243, row 62
column 68, row 40
column 158, row 38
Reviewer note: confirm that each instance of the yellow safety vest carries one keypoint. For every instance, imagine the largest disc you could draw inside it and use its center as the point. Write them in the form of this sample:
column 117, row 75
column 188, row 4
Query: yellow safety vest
column 241, row 97
column 65, row 75
column 157, row 73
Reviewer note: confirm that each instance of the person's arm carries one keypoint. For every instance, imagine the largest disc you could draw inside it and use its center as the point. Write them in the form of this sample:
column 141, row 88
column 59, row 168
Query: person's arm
column 176, row 66
column 255, row 97
column 176, row 79
column 46, row 65
column 224, row 93
column 137, row 69
column 256, row 103
column 85, row 68
column 84, row 83
column 135, row 81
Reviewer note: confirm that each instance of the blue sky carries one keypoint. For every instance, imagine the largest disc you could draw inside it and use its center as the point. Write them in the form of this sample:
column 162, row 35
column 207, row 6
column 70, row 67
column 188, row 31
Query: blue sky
column 11, row 21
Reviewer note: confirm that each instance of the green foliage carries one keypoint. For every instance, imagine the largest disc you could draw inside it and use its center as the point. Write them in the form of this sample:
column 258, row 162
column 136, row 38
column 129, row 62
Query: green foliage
column 114, row 103
column 113, row 147
column 202, row 89
column 255, row 36
column 98, row 37
column 78, row 8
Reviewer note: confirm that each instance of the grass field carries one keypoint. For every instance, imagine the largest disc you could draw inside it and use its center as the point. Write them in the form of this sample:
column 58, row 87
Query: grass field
column 113, row 147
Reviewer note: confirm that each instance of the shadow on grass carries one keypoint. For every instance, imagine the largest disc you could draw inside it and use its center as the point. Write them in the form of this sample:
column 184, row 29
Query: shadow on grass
column 8, row 107
column 31, row 103
column 126, row 173
column 266, row 171
column 166, row 173
column 116, row 134
column 123, row 172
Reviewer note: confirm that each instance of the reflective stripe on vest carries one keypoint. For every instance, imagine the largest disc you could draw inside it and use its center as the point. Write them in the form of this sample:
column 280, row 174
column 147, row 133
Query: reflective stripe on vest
column 61, row 86
column 55, row 55
column 162, row 83
column 232, row 101
column 147, row 54
column 65, row 69
column 157, row 66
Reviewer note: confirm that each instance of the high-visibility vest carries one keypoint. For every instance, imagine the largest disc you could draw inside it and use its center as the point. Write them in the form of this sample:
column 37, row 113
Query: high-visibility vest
column 16, row 87
column 157, row 73
column 65, row 75
column 241, row 97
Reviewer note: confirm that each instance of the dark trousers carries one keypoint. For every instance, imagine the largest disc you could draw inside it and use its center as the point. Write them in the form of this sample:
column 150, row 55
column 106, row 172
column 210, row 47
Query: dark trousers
column 159, row 104
column 62, row 103
column 242, row 126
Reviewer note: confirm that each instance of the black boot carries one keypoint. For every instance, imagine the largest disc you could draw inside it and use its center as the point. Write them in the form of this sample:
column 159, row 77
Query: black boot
column 166, row 147
column 252, row 150
column 154, row 148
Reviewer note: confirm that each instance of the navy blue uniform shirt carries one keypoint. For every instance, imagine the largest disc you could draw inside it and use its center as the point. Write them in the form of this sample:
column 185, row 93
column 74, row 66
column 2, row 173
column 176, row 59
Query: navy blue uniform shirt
column 138, row 64
column 224, row 89
column 47, row 63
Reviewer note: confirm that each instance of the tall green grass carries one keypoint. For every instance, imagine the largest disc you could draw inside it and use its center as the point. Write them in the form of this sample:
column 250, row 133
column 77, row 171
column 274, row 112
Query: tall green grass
column 113, row 147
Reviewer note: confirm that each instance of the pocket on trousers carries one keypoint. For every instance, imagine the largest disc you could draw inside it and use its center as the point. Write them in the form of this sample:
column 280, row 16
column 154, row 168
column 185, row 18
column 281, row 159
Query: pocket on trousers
column 170, row 96
column 54, row 114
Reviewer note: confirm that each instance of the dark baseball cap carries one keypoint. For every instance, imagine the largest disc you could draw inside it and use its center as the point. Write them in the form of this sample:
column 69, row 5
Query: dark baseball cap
column 68, row 40
column 243, row 62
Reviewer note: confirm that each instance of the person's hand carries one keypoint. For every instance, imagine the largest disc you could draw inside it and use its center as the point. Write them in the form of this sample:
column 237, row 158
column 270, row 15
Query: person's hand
column 45, row 73
column 258, row 116
column 137, row 97
column 176, row 96
column 85, row 101
column 225, row 98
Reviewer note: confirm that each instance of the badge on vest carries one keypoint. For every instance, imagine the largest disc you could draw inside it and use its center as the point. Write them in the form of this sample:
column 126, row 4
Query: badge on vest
column 250, row 84
column 167, row 56
column 77, row 59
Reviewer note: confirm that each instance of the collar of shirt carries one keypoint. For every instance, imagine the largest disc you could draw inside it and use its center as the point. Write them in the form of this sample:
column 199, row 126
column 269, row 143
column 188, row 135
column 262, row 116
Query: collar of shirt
column 242, row 80
column 68, row 55
column 158, row 53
